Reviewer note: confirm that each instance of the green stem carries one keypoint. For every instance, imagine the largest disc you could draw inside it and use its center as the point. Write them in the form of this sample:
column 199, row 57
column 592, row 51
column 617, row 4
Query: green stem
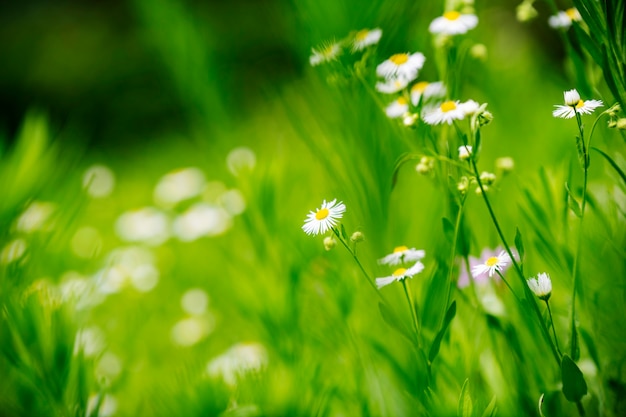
column 409, row 300
column 508, row 285
column 457, row 226
column 516, row 265
column 556, row 340
column 356, row 259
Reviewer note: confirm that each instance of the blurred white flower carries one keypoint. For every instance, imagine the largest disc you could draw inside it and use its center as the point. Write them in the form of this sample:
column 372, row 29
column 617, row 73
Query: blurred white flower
column 191, row 330
column 453, row 23
column 108, row 405
column 35, row 217
column 236, row 362
column 403, row 66
column 325, row 53
column 109, row 366
column 465, row 152
column 132, row 265
column 240, row 160
column 13, row 251
column 195, row 301
column 179, row 185
column 90, row 341
column 424, row 90
column 541, row 286
column 564, row 18
column 99, row 181
column 86, row 242
column 147, row 225
column 201, row 219
column 402, row 254
column 447, row 112
column 391, row 85
column 397, row 108
column 366, row 37
column 233, row 201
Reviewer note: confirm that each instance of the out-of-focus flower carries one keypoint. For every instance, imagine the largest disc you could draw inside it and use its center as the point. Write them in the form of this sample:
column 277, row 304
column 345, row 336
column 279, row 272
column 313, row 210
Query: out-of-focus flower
column 391, row 85
column 366, row 37
column 397, row 108
column 401, row 66
column 400, row 274
column 13, row 251
column 324, row 218
column 147, row 225
column 464, row 152
column 447, row 112
column 240, row 159
column 201, row 219
column 453, row 23
column 99, row 181
column 492, row 264
column 238, row 361
column 424, row 90
column 35, row 217
column 179, row 185
column 564, row 18
column 325, row 53
column 402, row 254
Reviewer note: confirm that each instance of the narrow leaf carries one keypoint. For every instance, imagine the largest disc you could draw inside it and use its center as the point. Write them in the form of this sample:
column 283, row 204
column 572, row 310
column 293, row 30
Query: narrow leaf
column 580, row 147
column 613, row 164
column 572, row 203
column 343, row 233
column 465, row 407
column 519, row 245
column 448, row 228
column 540, row 405
column 591, row 346
column 434, row 348
column 401, row 161
column 574, row 385
column 491, row 409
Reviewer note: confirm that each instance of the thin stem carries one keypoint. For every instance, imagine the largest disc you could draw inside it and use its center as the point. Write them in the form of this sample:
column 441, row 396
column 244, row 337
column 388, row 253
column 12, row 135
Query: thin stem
column 356, row 259
column 409, row 300
column 556, row 341
column 457, row 226
column 508, row 285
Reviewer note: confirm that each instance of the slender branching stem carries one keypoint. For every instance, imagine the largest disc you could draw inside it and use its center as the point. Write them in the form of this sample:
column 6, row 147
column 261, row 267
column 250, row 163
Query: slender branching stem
column 556, row 340
column 409, row 300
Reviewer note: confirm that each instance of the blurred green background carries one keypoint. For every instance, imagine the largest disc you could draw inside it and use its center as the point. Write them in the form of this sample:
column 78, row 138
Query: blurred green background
column 148, row 87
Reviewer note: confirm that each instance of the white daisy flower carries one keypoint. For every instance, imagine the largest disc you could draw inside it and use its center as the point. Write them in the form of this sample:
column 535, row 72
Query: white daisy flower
column 541, row 286
column 470, row 107
column 397, row 108
column 405, row 66
column 391, row 85
column 465, row 152
column 402, row 254
column 325, row 53
column 447, row 112
column 364, row 38
column 453, row 23
column 324, row 218
column 427, row 90
column 492, row 264
column 400, row 274
column 574, row 104
column 564, row 19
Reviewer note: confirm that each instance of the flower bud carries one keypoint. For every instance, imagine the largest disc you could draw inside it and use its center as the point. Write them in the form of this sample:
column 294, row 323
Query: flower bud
column 505, row 164
column 357, row 237
column 525, row 11
column 329, row 242
column 487, row 178
column 621, row 124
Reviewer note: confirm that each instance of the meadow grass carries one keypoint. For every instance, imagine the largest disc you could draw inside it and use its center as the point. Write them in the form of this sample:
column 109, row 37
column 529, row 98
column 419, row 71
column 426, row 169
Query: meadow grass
column 176, row 279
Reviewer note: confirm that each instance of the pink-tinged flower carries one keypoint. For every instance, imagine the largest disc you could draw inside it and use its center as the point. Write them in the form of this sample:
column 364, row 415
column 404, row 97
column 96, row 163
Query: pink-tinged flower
column 479, row 266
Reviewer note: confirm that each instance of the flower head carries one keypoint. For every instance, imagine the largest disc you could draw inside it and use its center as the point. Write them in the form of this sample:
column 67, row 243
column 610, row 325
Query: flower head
column 364, row 38
column 425, row 90
column 453, row 23
column 574, row 104
column 325, row 53
column 447, row 112
column 563, row 19
column 464, row 152
column 402, row 254
column 324, row 218
column 541, row 286
column 397, row 108
column 492, row 265
column 400, row 274
column 404, row 65
column 391, row 85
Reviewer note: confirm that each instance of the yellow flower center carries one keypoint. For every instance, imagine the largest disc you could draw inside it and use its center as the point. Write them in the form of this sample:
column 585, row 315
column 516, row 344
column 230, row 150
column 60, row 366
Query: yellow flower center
column 400, row 249
column 402, row 101
column 419, row 87
column 453, row 15
column 399, row 272
column 491, row 261
column 448, row 106
column 572, row 13
column 321, row 214
column 579, row 104
column 399, row 59
column 361, row 35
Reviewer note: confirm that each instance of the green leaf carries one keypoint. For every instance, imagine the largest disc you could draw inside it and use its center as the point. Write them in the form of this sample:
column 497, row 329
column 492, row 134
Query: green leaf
column 519, row 245
column 540, row 405
column 580, row 147
column 572, row 203
column 434, row 348
column 343, row 233
column 574, row 348
column 401, row 161
column 392, row 320
column 613, row 164
column 448, row 228
column 574, row 385
column 591, row 346
column 491, row 409
column 465, row 407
